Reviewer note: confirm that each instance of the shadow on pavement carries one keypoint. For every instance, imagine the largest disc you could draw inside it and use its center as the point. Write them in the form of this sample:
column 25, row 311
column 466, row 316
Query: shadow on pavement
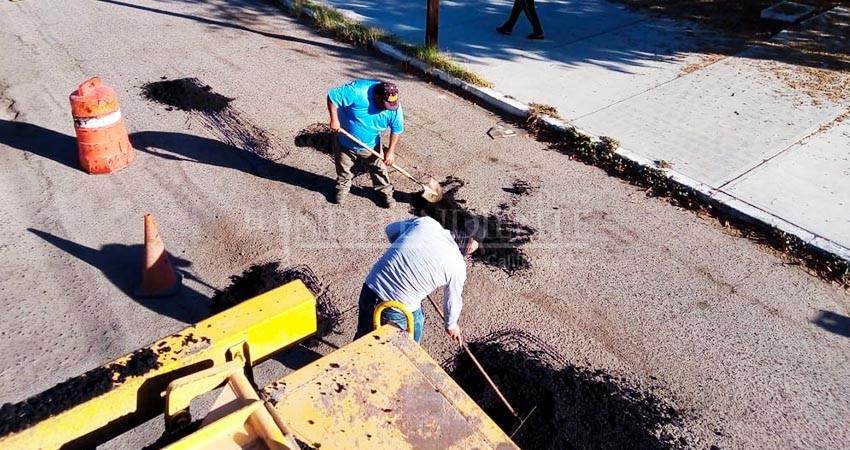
column 834, row 323
column 230, row 22
column 122, row 265
column 186, row 147
column 831, row 49
column 617, row 37
column 40, row 141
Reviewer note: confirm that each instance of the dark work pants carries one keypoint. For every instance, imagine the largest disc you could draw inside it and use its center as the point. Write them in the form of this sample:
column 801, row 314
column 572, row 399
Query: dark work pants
column 345, row 160
column 530, row 12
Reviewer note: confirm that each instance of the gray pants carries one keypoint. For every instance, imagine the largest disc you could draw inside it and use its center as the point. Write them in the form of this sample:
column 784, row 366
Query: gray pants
column 345, row 160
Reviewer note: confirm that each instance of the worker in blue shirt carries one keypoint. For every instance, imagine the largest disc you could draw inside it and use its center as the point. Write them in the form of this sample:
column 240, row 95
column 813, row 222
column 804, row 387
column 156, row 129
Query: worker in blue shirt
column 365, row 108
column 423, row 257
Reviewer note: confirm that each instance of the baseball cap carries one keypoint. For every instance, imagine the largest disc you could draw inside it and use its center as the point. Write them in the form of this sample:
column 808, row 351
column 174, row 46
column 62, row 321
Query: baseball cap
column 389, row 95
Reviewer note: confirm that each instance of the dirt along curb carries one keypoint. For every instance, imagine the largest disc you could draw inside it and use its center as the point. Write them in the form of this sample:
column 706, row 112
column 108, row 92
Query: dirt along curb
column 820, row 256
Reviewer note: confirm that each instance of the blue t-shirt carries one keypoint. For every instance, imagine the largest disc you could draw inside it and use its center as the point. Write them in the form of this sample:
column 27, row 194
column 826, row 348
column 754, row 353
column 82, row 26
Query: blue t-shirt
column 360, row 116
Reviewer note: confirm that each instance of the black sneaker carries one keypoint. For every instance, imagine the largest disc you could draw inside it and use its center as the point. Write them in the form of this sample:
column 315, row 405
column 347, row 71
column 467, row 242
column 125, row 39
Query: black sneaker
column 506, row 31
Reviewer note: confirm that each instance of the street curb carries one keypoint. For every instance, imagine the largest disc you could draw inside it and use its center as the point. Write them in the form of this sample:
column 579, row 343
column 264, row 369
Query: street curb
column 716, row 198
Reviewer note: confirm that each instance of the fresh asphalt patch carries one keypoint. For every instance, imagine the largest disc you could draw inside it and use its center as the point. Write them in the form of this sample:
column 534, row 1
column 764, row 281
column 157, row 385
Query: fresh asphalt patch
column 216, row 114
column 570, row 407
column 500, row 236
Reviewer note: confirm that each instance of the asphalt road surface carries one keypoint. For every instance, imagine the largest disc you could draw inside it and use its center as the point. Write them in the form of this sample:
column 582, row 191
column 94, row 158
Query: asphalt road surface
column 620, row 282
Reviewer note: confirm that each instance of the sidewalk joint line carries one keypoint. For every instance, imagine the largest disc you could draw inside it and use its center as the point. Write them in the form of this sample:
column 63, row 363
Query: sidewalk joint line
column 816, row 129
column 664, row 83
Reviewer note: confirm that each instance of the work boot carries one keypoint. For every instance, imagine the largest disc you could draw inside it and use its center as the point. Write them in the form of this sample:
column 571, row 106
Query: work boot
column 387, row 201
column 341, row 195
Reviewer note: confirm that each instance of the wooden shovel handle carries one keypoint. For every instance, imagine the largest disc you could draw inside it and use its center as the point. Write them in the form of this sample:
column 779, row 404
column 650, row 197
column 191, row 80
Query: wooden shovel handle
column 372, row 151
column 477, row 364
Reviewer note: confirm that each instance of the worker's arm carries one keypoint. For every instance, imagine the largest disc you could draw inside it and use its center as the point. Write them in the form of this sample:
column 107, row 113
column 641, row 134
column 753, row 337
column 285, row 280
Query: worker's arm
column 341, row 97
column 396, row 128
column 453, row 303
column 396, row 229
column 389, row 156
column 334, row 113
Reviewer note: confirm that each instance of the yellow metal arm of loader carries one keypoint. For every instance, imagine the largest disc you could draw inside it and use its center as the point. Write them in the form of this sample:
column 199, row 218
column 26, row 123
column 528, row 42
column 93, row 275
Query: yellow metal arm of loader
column 251, row 331
column 252, row 413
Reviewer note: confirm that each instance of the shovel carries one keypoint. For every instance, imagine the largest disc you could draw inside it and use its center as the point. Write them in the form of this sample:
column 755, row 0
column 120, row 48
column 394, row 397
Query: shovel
column 431, row 191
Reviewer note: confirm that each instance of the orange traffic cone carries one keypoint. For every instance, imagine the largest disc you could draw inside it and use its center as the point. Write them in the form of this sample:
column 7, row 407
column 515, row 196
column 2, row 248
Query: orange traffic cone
column 159, row 279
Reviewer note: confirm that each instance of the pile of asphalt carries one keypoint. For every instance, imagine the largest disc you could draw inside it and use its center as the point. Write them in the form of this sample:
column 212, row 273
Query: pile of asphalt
column 261, row 278
column 15, row 417
column 500, row 236
column 573, row 407
column 188, row 94
column 215, row 113
column 319, row 137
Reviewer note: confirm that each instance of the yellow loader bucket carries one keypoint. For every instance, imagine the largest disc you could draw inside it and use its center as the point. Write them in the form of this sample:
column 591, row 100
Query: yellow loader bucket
column 382, row 391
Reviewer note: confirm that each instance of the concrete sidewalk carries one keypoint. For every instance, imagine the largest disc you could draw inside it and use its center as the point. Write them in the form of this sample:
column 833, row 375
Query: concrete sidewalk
column 751, row 128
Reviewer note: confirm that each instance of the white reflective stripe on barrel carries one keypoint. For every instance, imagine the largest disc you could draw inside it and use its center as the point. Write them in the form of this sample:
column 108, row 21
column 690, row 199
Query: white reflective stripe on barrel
column 98, row 122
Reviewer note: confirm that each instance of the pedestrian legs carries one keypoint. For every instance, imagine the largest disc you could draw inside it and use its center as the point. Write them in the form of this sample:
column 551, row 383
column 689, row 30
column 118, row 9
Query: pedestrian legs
column 516, row 10
column 531, row 13
column 519, row 7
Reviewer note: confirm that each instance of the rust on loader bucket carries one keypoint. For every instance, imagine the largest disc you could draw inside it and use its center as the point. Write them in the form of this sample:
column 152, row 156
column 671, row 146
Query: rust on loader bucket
column 382, row 391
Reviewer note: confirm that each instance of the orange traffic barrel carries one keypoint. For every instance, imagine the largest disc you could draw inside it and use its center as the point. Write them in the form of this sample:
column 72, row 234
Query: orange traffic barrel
column 101, row 135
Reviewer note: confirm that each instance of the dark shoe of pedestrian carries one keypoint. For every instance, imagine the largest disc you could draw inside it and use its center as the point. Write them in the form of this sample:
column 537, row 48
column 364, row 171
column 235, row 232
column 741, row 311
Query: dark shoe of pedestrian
column 535, row 36
column 341, row 195
column 387, row 201
column 504, row 30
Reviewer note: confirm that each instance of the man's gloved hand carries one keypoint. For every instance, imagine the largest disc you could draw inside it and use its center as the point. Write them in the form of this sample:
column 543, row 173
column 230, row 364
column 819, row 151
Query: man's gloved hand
column 454, row 333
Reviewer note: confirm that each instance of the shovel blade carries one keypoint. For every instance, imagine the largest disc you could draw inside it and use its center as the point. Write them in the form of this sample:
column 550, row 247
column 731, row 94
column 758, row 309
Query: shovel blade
column 432, row 192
